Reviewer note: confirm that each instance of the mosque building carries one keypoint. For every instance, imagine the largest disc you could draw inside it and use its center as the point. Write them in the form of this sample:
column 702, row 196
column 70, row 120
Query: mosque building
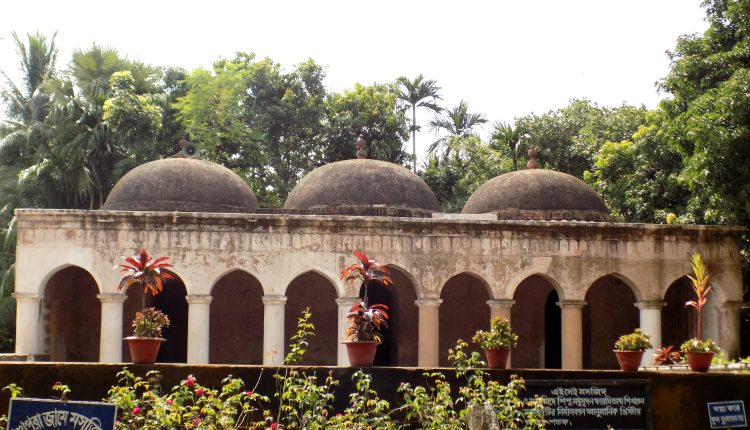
column 535, row 245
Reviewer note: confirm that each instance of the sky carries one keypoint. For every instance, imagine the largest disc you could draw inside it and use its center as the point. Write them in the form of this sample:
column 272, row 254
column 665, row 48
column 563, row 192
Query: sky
column 507, row 59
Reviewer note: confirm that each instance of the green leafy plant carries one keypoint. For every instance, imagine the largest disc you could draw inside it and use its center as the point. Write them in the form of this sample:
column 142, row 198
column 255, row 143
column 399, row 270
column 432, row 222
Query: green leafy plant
column 366, row 321
column 149, row 323
column 148, row 273
column 697, row 345
column 636, row 341
column 701, row 288
column 500, row 335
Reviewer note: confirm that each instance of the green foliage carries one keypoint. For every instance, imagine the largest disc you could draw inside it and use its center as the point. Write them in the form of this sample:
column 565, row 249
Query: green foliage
column 569, row 138
column 697, row 345
column 370, row 110
column 149, row 323
column 457, row 121
column 418, row 93
column 636, row 341
column 499, row 336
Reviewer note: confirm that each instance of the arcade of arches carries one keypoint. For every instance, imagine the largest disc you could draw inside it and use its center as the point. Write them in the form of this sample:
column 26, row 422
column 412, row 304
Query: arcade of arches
column 241, row 280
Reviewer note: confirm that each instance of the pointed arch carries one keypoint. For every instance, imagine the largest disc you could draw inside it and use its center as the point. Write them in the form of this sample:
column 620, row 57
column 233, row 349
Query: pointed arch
column 237, row 301
column 609, row 313
column 464, row 310
column 535, row 317
column 521, row 277
column 479, row 279
column 315, row 290
column 72, row 314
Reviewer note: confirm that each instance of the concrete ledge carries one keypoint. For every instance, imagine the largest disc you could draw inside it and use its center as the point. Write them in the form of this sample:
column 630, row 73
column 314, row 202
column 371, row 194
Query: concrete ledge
column 677, row 399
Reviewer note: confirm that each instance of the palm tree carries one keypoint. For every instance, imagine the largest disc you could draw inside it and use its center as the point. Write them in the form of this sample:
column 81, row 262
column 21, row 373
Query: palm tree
column 504, row 135
column 418, row 93
column 457, row 122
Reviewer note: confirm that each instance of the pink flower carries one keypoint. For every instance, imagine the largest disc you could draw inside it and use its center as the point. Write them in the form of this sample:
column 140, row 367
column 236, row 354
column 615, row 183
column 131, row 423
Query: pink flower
column 199, row 392
column 170, row 402
column 190, row 381
column 136, row 410
column 197, row 420
column 274, row 426
column 249, row 393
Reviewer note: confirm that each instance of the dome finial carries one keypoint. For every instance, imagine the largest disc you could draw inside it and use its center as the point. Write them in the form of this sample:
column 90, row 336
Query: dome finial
column 361, row 145
column 532, row 163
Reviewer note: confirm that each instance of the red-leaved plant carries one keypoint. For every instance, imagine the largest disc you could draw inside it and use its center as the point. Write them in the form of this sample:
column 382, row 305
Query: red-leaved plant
column 146, row 272
column 365, row 321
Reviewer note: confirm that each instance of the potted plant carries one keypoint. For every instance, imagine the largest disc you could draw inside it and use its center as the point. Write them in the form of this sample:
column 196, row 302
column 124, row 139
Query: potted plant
column 629, row 349
column 698, row 352
column 147, row 273
column 364, row 320
column 497, row 342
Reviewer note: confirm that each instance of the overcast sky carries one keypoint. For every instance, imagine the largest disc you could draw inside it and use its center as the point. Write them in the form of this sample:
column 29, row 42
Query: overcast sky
column 505, row 58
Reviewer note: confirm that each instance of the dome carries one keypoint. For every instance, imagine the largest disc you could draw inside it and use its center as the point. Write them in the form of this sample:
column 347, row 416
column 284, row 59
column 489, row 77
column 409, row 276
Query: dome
column 537, row 194
column 363, row 187
column 181, row 184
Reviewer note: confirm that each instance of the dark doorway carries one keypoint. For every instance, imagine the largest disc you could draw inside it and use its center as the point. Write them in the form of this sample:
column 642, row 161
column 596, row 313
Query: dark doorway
column 552, row 332
column 377, row 293
column 172, row 302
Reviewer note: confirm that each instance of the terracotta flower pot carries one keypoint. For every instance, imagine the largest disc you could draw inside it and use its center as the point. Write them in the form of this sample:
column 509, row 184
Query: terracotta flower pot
column 629, row 360
column 497, row 358
column 143, row 350
column 361, row 354
column 699, row 361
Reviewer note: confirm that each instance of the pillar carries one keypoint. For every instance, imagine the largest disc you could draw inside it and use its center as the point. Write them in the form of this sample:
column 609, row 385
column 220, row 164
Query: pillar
column 110, row 340
column 27, row 323
column 650, row 323
column 500, row 308
column 344, row 303
column 273, row 330
column 429, row 332
column 199, row 307
column 572, row 333
column 729, row 328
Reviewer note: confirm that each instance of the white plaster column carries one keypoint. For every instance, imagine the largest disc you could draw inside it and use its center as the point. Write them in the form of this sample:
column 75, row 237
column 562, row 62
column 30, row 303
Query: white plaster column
column 572, row 333
column 729, row 328
column 199, row 312
column 273, row 330
column 429, row 332
column 27, row 323
column 110, row 335
column 500, row 308
column 650, row 323
column 344, row 304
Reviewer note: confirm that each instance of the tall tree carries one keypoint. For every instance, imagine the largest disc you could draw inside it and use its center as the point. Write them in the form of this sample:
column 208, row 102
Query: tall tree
column 370, row 110
column 504, row 136
column 417, row 93
column 457, row 121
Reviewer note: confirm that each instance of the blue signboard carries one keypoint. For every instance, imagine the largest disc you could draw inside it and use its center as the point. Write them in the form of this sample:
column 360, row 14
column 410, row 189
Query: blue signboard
column 723, row 415
column 41, row 414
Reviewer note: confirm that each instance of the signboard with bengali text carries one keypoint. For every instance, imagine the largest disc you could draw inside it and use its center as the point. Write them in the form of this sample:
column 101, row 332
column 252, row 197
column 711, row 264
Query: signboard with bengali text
column 593, row 404
column 43, row 414
column 730, row 414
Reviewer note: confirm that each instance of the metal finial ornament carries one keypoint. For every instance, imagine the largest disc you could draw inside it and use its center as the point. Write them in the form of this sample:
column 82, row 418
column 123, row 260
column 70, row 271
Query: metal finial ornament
column 532, row 163
column 361, row 145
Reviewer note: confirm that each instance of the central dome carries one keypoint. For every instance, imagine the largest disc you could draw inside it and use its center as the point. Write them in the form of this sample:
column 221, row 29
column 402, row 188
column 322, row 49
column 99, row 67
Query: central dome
column 184, row 185
column 363, row 187
column 538, row 194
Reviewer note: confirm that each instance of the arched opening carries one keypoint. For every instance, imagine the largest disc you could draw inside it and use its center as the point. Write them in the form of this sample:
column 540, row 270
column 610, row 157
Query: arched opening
column 677, row 321
column 237, row 302
column 610, row 312
column 316, row 292
column 378, row 293
column 464, row 311
column 535, row 317
column 72, row 316
column 404, row 321
column 172, row 302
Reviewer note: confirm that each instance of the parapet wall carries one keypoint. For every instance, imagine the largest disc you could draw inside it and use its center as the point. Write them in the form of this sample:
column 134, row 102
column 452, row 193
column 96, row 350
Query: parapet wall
column 673, row 399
